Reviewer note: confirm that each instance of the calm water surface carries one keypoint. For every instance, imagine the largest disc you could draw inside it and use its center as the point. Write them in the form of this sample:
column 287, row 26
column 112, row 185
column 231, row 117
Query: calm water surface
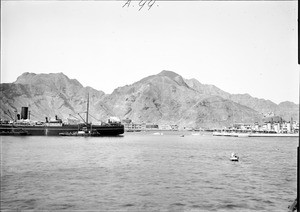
column 146, row 172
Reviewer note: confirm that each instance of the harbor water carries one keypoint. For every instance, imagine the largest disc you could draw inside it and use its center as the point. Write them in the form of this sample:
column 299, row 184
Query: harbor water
column 148, row 172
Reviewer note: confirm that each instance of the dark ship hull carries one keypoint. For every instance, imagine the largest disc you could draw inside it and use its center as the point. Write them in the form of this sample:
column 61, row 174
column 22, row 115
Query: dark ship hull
column 44, row 130
column 57, row 127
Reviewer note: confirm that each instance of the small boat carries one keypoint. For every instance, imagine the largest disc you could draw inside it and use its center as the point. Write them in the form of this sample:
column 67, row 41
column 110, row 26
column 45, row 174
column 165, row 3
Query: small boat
column 181, row 135
column 234, row 157
column 157, row 133
column 80, row 133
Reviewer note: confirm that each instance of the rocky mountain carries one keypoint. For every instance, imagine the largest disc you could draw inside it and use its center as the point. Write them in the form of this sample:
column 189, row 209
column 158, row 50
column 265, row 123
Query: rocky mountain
column 165, row 98
column 286, row 110
column 206, row 89
column 46, row 95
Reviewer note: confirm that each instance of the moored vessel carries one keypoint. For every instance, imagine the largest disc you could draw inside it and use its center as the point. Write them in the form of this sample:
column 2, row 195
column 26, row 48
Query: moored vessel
column 55, row 127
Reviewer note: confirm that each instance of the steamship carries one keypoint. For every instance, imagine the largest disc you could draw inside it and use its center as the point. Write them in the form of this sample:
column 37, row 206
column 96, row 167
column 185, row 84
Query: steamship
column 23, row 126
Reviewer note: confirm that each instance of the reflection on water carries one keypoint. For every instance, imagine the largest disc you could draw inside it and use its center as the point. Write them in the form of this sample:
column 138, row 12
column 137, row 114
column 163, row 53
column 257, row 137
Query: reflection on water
column 146, row 172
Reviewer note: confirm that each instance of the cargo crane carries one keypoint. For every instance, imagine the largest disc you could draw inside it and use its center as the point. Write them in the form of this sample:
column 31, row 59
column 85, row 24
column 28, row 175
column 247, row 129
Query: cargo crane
column 79, row 116
column 8, row 114
column 82, row 118
column 86, row 121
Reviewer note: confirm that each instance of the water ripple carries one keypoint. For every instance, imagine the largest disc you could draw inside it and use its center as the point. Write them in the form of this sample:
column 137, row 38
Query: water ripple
column 147, row 173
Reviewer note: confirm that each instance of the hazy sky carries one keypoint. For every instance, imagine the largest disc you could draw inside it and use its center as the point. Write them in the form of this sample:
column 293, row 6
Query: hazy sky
column 241, row 47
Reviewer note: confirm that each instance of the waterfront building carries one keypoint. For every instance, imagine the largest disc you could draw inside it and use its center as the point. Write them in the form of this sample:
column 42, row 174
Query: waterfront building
column 295, row 127
column 269, row 126
column 131, row 127
column 174, row 127
column 288, row 127
column 256, row 126
column 165, row 127
column 276, row 127
column 152, row 126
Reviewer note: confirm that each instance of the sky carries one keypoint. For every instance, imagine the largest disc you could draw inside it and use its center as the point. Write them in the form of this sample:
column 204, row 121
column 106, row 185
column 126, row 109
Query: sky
column 240, row 47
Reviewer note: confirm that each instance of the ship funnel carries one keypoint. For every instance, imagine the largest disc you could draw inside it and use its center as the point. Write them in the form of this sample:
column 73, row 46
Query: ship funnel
column 24, row 113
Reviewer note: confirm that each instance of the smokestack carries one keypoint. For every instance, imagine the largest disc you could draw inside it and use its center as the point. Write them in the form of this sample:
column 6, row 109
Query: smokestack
column 46, row 119
column 24, row 113
column 55, row 117
column 18, row 116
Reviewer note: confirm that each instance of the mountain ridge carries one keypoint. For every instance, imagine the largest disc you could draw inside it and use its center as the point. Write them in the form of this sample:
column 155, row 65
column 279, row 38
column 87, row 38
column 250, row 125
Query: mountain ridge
column 259, row 104
column 164, row 98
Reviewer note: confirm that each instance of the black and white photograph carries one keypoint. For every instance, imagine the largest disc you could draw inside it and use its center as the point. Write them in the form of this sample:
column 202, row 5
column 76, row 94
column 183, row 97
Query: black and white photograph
column 149, row 105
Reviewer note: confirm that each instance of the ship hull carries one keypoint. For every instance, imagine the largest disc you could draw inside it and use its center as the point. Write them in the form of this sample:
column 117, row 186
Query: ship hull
column 55, row 130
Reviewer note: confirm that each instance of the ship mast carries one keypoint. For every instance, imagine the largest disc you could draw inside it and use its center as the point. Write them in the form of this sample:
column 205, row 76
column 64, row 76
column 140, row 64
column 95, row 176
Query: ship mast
column 87, row 110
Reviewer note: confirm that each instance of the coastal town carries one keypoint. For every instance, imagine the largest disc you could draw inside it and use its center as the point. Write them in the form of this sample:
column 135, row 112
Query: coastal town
column 272, row 124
